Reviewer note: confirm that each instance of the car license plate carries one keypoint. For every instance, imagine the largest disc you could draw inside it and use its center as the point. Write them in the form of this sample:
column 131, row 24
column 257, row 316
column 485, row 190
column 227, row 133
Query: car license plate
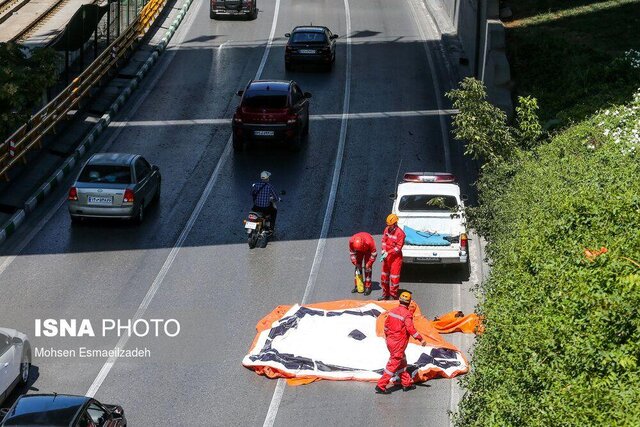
column 427, row 259
column 100, row 200
column 251, row 225
column 263, row 133
column 307, row 51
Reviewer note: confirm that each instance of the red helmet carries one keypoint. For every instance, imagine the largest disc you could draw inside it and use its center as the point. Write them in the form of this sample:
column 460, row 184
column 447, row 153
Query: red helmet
column 358, row 244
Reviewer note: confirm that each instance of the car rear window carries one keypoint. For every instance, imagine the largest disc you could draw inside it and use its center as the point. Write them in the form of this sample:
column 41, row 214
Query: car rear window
column 427, row 203
column 265, row 99
column 302, row 37
column 106, row 174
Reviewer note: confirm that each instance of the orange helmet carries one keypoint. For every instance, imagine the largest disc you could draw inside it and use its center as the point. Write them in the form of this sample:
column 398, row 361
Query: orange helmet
column 392, row 219
column 358, row 244
column 405, row 297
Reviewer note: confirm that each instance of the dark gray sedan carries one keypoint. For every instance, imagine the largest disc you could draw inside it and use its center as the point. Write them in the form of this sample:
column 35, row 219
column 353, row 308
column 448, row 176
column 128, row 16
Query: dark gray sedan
column 114, row 185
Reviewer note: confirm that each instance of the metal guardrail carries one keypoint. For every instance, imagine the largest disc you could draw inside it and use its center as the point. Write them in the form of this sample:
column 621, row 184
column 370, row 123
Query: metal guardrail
column 29, row 136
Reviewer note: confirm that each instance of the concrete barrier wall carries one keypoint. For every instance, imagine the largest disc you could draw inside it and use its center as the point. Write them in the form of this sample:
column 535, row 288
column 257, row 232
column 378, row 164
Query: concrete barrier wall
column 480, row 44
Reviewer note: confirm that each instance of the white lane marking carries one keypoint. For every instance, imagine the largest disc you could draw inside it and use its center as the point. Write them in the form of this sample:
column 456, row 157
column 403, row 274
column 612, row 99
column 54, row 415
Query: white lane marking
column 272, row 33
column 436, row 88
column 315, row 266
column 312, row 117
column 157, row 282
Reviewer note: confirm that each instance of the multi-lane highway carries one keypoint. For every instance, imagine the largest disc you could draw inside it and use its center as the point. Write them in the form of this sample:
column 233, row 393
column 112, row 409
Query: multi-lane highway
column 374, row 116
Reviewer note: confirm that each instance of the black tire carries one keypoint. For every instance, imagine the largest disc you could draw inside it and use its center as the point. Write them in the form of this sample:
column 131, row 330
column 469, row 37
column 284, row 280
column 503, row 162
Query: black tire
column 238, row 144
column 262, row 240
column 254, row 13
column 288, row 66
column 306, row 129
column 76, row 220
column 25, row 367
column 212, row 15
column 139, row 218
column 252, row 240
column 296, row 143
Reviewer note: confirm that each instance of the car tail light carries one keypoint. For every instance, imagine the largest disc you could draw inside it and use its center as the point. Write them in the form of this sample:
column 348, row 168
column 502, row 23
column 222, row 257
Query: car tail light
column 463, row 242
column 73, row 193
column 246, row 3
column 213, row 3
column 237, row 119
column 429, row 177
column 292, row 119
column 128, row 196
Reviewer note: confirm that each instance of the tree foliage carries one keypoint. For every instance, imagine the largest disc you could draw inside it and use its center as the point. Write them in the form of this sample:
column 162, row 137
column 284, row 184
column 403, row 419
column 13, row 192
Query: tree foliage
column 22, row 82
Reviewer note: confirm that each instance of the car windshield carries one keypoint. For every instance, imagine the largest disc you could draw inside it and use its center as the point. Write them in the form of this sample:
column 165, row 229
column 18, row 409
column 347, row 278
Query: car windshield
column 302, row 37
column 106, row 174
column 428, row 203
column 265, row 99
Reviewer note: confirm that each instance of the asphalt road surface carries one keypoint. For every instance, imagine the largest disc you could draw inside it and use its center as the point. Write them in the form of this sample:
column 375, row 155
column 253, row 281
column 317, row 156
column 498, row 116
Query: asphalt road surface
column 374, row 116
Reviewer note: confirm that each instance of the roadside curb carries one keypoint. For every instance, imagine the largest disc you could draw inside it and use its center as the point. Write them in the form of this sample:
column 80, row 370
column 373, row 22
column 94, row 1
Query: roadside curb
column 63, row 171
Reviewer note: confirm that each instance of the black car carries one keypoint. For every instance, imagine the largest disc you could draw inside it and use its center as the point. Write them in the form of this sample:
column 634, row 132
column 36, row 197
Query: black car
column 271, row 110
column 311, row 44
column 62, row 410
column 247, row 8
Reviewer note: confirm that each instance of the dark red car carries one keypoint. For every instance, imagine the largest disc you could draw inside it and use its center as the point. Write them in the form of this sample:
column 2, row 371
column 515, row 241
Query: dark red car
column 271, row 110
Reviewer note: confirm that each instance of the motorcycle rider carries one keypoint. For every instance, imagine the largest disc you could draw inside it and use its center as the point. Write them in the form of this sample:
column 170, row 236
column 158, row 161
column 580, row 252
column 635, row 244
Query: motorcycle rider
column 264, row 198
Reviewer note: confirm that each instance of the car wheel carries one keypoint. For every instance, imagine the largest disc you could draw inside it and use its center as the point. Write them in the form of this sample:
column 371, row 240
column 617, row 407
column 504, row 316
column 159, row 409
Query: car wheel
column 140, row 215
column 254, row 13
column 25, row 367
column 213, row 15
column 296, row 143
column 238, row 144
column 306, row 129
column 75, row 220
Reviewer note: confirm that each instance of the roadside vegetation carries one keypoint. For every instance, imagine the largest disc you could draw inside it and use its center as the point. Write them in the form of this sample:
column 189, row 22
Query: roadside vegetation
column 561, row 213
column 23, row 81
column 575, row 56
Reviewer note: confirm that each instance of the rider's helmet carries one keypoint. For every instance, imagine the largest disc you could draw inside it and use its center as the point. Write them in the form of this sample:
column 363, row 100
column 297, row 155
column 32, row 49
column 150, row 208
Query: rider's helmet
column 264, row 175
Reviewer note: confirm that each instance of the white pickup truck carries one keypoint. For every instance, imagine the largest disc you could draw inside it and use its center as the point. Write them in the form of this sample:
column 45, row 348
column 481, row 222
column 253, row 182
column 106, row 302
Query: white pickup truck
column 430, row 210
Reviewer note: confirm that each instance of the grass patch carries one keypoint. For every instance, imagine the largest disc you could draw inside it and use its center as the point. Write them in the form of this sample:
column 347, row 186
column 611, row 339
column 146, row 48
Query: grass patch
column 570, row 54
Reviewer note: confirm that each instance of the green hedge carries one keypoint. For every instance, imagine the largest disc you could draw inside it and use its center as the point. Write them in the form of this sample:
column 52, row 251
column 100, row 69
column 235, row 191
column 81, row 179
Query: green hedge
column 562, row 340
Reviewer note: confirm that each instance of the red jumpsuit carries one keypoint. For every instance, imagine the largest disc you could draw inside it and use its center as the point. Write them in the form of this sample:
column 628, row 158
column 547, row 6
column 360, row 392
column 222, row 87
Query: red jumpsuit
column 365, row 257
column 397, row 329
column 392, row 243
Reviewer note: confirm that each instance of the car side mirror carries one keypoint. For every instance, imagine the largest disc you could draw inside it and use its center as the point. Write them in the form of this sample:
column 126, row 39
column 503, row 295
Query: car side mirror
column 240, row 92
column 16, row 340
column 155, row 168
column 3, row 412
column 464, row 197
column 307, row 95
column 392, row 196
column 334, row 36
column 287, row 35
column 282, row 193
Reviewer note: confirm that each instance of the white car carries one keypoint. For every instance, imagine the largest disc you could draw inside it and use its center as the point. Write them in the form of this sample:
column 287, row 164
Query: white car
column 15, row 360
column 430, row 211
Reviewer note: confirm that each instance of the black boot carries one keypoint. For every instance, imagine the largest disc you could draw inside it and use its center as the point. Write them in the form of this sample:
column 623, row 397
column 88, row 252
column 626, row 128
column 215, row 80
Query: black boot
column 384, row 298
column 381, row 391
column 367, row 291
column 354, row 290
column 409, row 388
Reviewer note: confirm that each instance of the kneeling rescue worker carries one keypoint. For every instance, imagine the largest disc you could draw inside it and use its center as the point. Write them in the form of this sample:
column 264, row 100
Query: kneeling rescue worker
column 362, row 249
column 397, row 328
column 392, row 243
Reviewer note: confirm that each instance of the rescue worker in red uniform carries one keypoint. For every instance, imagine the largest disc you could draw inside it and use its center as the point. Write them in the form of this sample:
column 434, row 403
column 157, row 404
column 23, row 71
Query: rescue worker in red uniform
column 392, row 243
column 362, row 249
column 398, row 327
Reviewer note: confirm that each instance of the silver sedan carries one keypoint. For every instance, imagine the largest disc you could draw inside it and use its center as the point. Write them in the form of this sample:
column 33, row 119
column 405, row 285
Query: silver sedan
column 114, row 185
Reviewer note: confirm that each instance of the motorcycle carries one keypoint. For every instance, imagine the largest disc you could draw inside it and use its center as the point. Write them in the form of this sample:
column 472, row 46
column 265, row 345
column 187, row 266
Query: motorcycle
column 258, row 227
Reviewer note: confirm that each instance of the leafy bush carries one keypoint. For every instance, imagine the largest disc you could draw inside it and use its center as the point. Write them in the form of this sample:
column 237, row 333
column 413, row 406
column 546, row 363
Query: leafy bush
column 22, row 82
column 562, row 333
